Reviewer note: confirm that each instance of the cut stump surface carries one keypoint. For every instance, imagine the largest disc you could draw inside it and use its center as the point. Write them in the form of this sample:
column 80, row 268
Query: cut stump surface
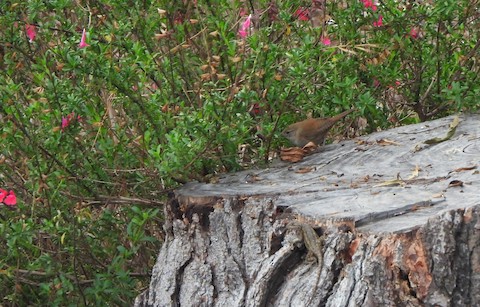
column 382, row 220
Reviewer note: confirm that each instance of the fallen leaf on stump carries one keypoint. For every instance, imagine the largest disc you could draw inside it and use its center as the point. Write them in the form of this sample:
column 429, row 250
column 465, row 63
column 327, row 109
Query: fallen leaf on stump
column 295, row 154
column 292, row 154
column 386, row 142
column 310, row 148
column 304, row 170
column 455, row 183
column 451, row 131
column 462, row 169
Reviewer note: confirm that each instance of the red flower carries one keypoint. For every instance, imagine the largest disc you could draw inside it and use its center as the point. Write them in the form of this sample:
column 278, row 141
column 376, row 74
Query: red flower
column 3, row 194
column 301, row 14
column 378, row 23
column 11, row 199
column 245, row 27
column 83, row 40
column 325, row 40
column 31, row 32
column 67, row 120
column 65, row 123
column 369, row 4
column 413, row 33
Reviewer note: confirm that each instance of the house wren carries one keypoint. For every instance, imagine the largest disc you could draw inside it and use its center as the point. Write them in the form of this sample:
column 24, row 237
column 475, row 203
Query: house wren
column 312, row 130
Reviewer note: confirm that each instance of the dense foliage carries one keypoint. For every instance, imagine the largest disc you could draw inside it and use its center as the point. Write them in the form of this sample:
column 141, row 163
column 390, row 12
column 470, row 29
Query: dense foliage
column 108, row 105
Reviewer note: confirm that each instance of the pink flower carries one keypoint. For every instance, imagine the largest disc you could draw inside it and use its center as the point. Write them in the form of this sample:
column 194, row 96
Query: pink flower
column 369, row 4
column 378, row 23
column 325, row 40
column 376, row 83
column 413, row 33
column 245, row 26
column 397, row 83
column 301, row 14
column 31, row 32
column 65, row 123
column 3, row 194
column 67, row 120
column 83, row 42
column 11, row 199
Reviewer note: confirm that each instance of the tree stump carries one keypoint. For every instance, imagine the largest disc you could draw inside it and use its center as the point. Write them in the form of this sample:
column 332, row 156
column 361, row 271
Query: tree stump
column 382, row 220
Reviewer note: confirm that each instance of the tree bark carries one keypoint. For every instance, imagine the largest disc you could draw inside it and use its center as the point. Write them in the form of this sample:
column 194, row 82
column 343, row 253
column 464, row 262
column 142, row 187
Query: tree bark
column 382, row 221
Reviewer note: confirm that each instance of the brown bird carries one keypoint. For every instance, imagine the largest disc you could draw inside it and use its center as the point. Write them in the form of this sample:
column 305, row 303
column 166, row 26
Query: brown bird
column 312, row 130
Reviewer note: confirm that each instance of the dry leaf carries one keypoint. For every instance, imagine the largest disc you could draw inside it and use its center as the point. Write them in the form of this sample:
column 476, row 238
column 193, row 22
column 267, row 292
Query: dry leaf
column 451, row 131
column 415, row 172
column 205, row 77
column 251, row 178
column 455, row 183
column 386, row 142
column 163, row 35
column 309, row 148
column 363, row 142
column 304, row 170
column 390, row 183
column 292, row 154
column 174, row 49
column 236, row 59
column 467, row 168
column 214, row 179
